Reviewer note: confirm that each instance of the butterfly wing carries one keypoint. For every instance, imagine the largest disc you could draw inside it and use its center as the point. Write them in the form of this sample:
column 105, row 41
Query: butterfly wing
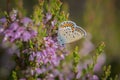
column 64, row 31
column 69, row 32
column 65, row 35
column 82, row 33
column 67, row 24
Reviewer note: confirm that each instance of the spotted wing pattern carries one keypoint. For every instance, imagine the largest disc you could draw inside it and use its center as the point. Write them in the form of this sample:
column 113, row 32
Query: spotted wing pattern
column 69, row 32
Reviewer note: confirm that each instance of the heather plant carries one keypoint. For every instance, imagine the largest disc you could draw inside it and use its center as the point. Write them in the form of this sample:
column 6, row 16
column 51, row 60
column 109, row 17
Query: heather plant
column 32, row 43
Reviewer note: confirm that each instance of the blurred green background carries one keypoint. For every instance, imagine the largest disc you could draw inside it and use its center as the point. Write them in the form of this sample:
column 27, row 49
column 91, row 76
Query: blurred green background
column 101, row 18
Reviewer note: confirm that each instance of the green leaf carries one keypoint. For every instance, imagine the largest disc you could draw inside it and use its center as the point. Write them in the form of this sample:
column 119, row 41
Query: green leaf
column 107, row 71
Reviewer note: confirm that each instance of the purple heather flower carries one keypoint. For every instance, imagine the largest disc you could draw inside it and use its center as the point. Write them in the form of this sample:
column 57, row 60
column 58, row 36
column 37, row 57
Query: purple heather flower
column 22, row 79
column 1, row 29
column 94, row 77
column 50, row 76
column 19, row 32
column 9, row 35
column 50, row 51
column 14, row 26
column 48, row 54
column 32, row 72
column 32, row 56
column 48, row 16
column 79, row 72
column 21, row 29
column 82, row 66
column 33, row 33
column 13, row 32
column 50, row 43
column 53, row 23
column 26, row 36
column 97, row 67
column 3, row 20
column 91, row 77
column 51, row 58
column 38, row 71
column 100, row 61
column 26, row 21
column 39, row 57
column 13, row 15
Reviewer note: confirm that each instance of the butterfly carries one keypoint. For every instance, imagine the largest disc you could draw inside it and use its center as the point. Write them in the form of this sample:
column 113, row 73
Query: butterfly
column 69, row 32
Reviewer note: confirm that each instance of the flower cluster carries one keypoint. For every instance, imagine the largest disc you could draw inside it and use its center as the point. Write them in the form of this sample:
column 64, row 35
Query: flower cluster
column 48, row 54
column 17, row 29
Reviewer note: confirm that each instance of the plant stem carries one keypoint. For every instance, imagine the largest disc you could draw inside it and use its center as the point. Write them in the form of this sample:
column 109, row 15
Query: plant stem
column 8, row 6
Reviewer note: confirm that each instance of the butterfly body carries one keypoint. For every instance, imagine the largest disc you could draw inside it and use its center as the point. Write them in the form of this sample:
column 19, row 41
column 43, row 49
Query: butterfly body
column 69, row 32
